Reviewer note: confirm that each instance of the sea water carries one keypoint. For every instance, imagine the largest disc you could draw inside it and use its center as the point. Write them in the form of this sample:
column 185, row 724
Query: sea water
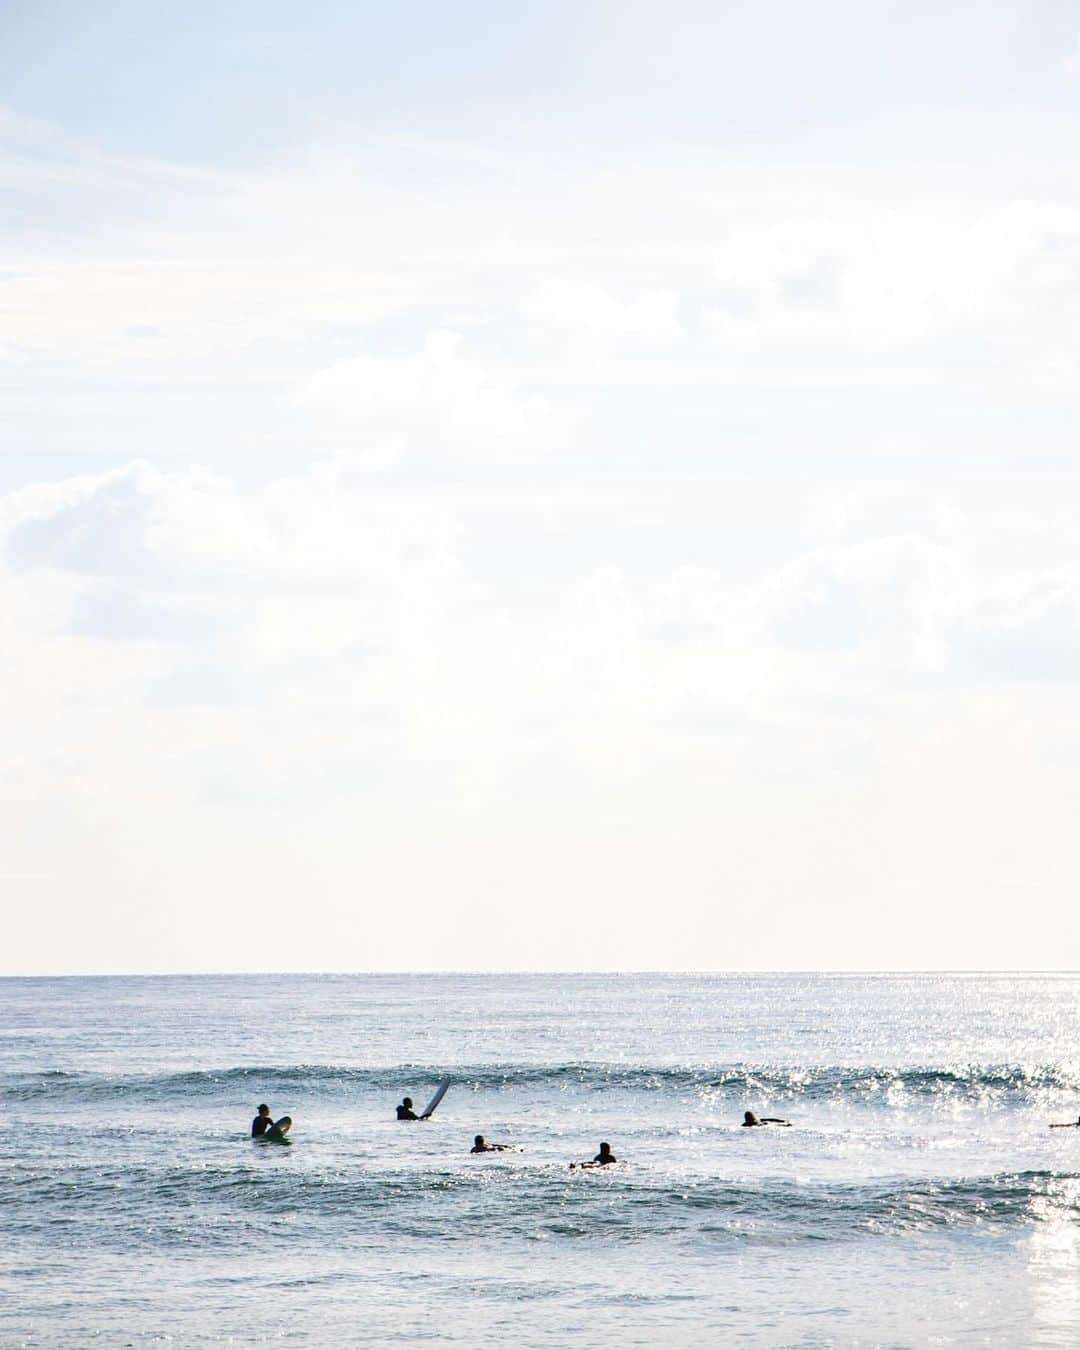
column 918, row 1199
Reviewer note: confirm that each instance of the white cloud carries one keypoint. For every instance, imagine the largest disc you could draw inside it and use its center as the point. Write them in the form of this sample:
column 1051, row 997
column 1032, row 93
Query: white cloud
column 1071, row 63
column 589, row 312
column 1025, row 629
column 186, row 656
column 327, row 586
column 269, row 314
column 438, row 402
column 474, row 525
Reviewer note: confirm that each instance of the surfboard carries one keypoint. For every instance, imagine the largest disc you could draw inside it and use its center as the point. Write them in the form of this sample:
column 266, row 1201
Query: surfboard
column 440, row 1093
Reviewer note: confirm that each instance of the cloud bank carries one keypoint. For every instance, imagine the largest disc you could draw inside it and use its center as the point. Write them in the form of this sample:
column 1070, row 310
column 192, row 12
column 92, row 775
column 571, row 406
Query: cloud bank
column 322, row 693
column 463, row 533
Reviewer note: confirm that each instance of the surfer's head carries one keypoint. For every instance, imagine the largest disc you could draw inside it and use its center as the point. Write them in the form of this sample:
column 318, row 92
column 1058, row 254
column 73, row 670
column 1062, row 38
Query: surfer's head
column 407, row 1101
column 605, row 1149
column 264, row 1110
column 479, row 1141
column 749, row 1118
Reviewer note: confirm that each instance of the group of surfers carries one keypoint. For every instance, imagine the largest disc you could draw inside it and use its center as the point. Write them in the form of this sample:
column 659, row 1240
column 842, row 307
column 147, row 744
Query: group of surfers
column 274, row 1131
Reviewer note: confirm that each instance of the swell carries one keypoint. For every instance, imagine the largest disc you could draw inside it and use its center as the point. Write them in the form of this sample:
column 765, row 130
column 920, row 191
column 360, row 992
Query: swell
column 869, row 1083
column 217, row 1203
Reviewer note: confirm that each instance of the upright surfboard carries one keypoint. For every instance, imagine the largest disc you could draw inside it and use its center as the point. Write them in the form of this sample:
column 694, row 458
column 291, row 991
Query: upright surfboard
column 440, row 1093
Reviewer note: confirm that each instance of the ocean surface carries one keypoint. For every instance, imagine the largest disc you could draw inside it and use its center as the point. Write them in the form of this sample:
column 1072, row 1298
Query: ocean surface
column 918, row 1200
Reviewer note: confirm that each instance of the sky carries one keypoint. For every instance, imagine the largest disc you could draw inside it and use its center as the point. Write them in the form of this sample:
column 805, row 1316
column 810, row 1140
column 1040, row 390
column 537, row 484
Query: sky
column 572, row 486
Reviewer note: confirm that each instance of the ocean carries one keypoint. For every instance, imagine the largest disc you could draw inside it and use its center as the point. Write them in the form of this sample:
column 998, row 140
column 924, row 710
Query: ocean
column 919, row 1198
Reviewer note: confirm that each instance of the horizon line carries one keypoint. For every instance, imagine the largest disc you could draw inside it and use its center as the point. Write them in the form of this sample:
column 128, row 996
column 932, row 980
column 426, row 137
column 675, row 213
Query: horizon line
column 479, row 973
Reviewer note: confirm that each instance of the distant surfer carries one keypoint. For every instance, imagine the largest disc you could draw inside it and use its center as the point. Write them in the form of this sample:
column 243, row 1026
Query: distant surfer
column 277, row 1130
column 481, row 1145
column 750, row 1119
column 1067, row 1125
column 261, row 1123
column 602, row 1159
column 405, row 1111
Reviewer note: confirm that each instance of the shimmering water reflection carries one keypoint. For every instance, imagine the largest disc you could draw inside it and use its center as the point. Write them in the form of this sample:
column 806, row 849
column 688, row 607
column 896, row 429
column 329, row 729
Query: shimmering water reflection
column 919, row 1198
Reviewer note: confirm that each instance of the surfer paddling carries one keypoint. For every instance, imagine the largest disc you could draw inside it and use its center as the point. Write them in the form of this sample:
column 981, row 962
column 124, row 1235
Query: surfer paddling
column 602, row 1159
column 750, row 1119
column 481, row 1145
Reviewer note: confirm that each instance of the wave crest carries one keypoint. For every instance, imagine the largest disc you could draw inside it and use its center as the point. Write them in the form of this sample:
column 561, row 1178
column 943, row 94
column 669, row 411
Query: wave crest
column 866, row 1083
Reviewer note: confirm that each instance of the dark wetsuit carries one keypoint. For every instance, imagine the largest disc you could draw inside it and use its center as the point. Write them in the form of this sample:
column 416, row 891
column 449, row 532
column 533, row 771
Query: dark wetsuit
column 602, row 1159
column 405, row 1113
column 259, row 1126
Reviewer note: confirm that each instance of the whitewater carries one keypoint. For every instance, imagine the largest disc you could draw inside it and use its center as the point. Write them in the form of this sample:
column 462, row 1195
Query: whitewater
column 919, row 1197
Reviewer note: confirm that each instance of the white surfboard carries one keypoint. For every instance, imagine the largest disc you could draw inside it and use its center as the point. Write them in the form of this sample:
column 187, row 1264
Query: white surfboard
column 440, row 1093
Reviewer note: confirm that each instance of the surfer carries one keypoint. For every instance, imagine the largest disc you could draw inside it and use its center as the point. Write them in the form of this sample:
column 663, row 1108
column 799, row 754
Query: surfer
column 602, row 1159
column 277, row 1130
column 481, row 1145
column 405, row 1111
column 261, row 1123
column 750, row 1119
column 1067, row 1125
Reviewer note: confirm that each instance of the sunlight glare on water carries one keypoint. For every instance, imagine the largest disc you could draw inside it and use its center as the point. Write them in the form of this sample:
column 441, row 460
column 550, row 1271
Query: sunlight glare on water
column 918, row 1198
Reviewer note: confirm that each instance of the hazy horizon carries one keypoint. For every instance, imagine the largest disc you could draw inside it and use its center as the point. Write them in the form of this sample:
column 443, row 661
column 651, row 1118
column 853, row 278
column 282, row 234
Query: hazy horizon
column 825, row 973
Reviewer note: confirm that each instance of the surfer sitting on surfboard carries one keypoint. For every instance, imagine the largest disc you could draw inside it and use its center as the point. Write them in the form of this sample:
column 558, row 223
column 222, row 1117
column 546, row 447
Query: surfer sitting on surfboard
column 602, row 1159
column 405, row 1111
column 481, row 1145
column 261, row 1123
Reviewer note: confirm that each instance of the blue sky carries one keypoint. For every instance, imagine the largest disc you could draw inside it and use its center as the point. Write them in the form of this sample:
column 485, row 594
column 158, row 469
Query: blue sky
column 224, row 84
column 554, row 457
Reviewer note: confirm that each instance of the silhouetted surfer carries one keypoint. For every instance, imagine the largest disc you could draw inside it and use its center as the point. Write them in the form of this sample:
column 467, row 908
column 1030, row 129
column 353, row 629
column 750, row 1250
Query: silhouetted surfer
column 405, row 1111
column 750, row 1119
column 277, row 1130
column 481, row 1145
column 602, row 1159
column 261, row 1123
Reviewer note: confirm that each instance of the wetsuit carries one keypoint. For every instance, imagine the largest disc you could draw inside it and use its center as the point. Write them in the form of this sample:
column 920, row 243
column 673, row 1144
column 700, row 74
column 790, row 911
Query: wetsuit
column 406, row 1113
column 259, row 1126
